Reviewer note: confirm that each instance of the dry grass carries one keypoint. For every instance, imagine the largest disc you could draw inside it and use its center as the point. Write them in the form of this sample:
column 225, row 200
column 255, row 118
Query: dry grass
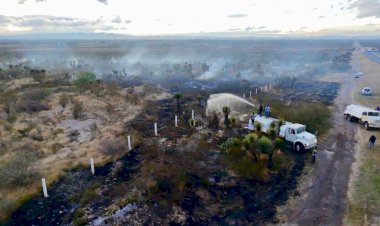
column 364, row 188
column 58, row 151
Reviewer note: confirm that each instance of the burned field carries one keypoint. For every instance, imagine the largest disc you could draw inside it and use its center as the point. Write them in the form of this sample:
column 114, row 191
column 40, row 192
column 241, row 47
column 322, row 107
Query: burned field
column 181, row 176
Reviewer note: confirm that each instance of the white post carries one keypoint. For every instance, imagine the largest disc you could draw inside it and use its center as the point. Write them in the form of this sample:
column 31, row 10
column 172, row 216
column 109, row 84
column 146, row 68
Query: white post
column 44, row 188
column 270, row 85
column 129, row 143
column 155, row 129
column 250, row 94
column 256, row 90
column 192, row 114
column 261, row 89
column 176, row 121
column 92, row 166
column 243, row 95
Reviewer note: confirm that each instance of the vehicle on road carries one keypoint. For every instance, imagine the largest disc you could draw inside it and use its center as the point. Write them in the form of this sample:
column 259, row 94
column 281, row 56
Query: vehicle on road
column 367, row 91
column 368, row 117
column 292, row 133
column 358, row 74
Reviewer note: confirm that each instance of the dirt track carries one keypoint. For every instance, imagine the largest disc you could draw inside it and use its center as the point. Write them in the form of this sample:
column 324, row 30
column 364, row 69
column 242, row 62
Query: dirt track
column 323, row 192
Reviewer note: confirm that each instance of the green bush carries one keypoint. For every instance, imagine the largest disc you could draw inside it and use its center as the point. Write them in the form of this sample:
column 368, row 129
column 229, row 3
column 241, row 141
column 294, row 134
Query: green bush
column 233, row 121
column 84, row 79
column 265, row 145
column 279, row 143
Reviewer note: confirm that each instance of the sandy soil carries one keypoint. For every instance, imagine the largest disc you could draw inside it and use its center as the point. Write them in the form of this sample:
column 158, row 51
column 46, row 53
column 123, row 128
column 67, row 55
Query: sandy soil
column 322, row 192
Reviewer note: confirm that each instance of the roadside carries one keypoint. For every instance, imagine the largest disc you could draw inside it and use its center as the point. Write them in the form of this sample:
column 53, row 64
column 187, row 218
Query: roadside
column 322, row 193
column 364, row 188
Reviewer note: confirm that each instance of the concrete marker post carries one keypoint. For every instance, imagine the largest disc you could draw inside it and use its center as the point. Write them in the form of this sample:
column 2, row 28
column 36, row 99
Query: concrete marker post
column 155, row 129
column 44, row 188
column 176, row 121
column 256, row 91
column 243, row 95
column 192, row 114
column 92, row 166
column 250, row 94
column 129, row 143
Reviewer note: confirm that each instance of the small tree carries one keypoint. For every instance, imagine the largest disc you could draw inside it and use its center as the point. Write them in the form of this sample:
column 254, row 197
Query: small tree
column 265, row 145
column 178, row 96
column 226, row 112
column 64, row 100
column 77, row 109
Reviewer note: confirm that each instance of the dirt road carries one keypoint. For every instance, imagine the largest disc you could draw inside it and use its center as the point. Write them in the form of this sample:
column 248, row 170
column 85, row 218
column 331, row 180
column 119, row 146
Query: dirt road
column 322, row 196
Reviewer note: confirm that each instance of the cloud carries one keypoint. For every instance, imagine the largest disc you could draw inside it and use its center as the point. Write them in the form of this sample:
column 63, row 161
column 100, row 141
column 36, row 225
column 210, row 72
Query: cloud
column 321, row 17
column 366, row 8
column 237, row 15
column 127, row 21
column 54, row 24
column 249, row 29
column 117, row 20
column 105, row 2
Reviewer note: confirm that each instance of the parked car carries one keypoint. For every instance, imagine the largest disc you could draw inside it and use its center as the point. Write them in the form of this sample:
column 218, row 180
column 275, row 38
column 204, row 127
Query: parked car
column 367, row 91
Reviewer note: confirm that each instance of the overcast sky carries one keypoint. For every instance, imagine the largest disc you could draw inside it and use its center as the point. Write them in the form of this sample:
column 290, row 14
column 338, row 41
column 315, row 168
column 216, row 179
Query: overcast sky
column 161, row 17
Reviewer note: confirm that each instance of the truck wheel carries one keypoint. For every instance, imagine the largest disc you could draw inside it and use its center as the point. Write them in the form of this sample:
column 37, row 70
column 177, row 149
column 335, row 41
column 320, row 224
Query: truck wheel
column 299, row 147
column 366, row 126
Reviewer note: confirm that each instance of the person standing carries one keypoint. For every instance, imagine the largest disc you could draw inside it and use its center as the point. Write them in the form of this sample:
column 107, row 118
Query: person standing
column 372, row 141
column 314, row 155
column 261, row 108
column 267, row 111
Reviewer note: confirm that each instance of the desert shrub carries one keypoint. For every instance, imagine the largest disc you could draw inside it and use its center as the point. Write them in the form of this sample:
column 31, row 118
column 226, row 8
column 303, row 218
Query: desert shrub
column 36, row 95
column 77, row 109
column 88, row 195
column 56, row 147
column 231, row 143
column 110, row 108
column 114, row 146
column 272, row 133
column 64, row 100
column 8, row 126
column 279, row 143
column 264, row 144
column 38, row 75
column 249, row 140
column 31, row 106
column 254, row 170
column 84, row 79
column 79, row 218
column 12, row 116
column 19, row 170
column 132, row 98
column 36, row 135
column 279, row 161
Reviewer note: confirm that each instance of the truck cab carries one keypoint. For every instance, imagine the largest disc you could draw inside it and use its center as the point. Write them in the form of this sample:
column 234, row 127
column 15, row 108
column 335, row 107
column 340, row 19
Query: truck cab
column 300, row 139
